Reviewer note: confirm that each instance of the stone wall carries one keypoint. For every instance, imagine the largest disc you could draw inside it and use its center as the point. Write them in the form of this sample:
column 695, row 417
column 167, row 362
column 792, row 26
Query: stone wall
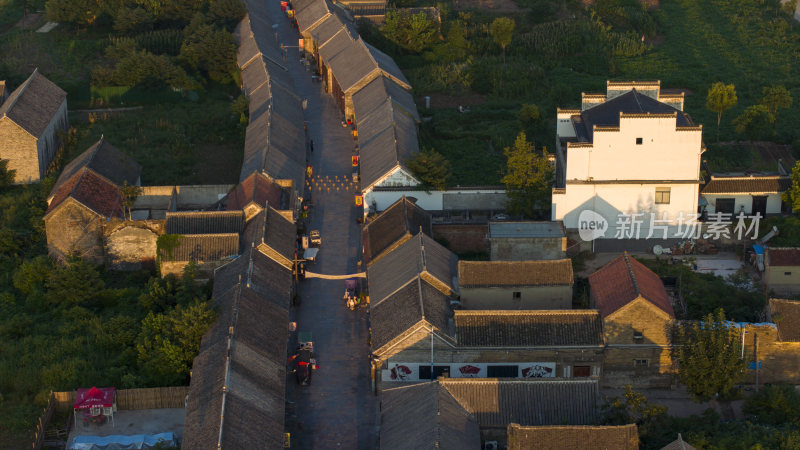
column 463, row 238
column 132, row 246
column 533, row 297
column 19, row 148
column 780, row 361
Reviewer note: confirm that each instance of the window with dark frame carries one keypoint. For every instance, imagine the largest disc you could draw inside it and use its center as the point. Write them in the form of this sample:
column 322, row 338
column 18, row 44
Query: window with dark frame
column 639, row 141
column 641, row 362
column 637, row 336
column 788, row 274
column 502, row 372
column 517, row 295
column 581, row 371
column 438, row 371
column 662, row 195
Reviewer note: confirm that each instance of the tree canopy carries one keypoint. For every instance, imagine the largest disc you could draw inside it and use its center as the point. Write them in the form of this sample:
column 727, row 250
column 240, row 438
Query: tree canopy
column 708, row 355
column 775, row 98
column 721, row 97
column 528, row 179
column 755, row 122
column 792, row 195
column 502, row 30
column 430, row 168
column 413, row 32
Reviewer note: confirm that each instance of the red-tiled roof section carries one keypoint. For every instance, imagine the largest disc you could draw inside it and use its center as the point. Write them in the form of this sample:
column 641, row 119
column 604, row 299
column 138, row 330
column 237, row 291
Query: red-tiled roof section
column 622, row 280
column 93, row 191
column 784, row 256
column 255, row 188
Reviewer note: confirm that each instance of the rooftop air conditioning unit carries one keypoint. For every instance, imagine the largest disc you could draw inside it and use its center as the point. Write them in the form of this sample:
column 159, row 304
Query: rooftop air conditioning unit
column 490, row 445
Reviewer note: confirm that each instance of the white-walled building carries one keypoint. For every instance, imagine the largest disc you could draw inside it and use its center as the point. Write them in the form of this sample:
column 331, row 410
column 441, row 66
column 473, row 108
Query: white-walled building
column 632, row 151
column 748, row 194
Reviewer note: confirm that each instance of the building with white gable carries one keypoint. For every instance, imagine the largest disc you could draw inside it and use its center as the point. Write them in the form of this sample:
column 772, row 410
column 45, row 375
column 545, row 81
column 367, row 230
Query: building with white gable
column 630, row 151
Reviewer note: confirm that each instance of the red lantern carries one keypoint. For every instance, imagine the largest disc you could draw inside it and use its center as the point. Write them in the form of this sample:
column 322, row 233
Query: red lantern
column 355, row 161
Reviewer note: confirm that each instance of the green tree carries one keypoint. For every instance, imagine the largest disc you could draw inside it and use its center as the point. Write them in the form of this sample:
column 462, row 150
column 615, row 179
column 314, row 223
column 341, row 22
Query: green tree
column 129, row 20
column 226, row 12
column 168, row 342
column 721, row 97
column 633, row 407
column 32, row 274
column 775, row 98
column 502, row 30
column 792, row 195
column 76, row 283
column 78, row 12
column 776, row 404
column 210, row 49
column 6, row 175
column 528, row 179
column 708, row 356
column 528, row 115
column 129, row 195
column 413, row 32
column 755, row 122
column 430, row 168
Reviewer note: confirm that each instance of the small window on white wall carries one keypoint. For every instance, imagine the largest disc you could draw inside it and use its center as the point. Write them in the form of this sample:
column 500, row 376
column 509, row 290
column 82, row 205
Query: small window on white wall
column 662, row 196
column 639, row 141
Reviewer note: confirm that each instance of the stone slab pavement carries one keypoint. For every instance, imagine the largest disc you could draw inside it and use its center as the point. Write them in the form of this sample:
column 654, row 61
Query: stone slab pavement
column 338, row 408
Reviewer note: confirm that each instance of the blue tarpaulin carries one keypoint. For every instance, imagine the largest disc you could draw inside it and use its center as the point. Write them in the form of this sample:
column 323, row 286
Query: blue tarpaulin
column 119, row 442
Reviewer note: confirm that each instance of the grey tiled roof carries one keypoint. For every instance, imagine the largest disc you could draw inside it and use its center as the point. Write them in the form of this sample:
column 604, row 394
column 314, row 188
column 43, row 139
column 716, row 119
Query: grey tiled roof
column 248, row 48
column 747, row 185
column 328, row 28
column 623, row 437
column 33, row 104
column 786, row 315
column 607, row 113
column 347, row 58
column 387, row 65
column 387, row 137
column 239, row 376
column 499, row 402
column 105, row 160
column 394, row 225
column 204, row 247
column 309, row 12
column 380, row 91
column 420, row 256
column 273, row 235
column 425, row 416
column 204, row 222
column 528, row 328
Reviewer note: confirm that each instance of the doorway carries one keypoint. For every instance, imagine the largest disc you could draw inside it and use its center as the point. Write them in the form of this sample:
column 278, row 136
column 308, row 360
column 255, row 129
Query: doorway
column 759, row 205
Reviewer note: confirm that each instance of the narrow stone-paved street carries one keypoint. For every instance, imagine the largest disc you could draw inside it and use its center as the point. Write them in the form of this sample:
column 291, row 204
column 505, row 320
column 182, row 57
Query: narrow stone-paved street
column 338, row 409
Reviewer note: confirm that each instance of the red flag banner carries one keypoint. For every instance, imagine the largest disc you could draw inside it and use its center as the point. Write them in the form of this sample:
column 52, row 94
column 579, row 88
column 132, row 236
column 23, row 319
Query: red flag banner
column 355, row 161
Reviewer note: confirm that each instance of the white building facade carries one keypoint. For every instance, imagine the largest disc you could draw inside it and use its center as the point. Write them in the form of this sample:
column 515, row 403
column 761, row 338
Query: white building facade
column 630, row 152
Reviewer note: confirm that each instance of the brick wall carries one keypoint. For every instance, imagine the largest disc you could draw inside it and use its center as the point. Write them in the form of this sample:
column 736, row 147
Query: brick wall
column 131, row 247
column 522, row 249
column 463, row 238
column 780, row 361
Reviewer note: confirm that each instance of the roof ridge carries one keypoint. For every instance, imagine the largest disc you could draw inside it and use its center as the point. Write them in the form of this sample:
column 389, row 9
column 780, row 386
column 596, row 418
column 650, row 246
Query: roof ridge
column 631, row 273
column 530, row 312
column 20, row 90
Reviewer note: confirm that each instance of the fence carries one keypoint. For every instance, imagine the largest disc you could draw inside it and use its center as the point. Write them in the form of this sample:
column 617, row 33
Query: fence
column 145, row 398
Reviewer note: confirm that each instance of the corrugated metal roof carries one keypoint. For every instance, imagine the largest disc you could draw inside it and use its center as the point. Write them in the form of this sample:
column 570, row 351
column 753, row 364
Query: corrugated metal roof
column 526, row 229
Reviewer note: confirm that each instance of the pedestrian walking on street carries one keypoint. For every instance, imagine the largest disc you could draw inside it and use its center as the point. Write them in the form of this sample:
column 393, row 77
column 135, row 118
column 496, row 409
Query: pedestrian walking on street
column 311, row 145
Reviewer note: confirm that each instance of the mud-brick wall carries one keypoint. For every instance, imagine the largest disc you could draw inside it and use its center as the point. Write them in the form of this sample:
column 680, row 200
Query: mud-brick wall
column 463, row 238
column 132, row 245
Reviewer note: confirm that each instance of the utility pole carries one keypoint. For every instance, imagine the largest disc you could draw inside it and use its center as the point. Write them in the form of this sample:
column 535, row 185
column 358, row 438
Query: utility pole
column 432, row 378
column 755, row 354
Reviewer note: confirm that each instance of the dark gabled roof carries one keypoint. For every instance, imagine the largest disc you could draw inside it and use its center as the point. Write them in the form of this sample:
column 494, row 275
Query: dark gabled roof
column 678, row 444
column 541, row 401
column 328, row 28
column 747, row 185
column 786, row 315
column 387, row 137
column 607, row 113
column 624, row 279
column 556, row 272
column 310, row 12
column 425, row 416
column 258, row 189
column 380, row 91
column 415, row 303
column 105, row 160
column 396, row 224
column 275, row 140
column 261, row 22
column 33, row 104
column 348, row 58
column 777, row 256
column 203, row 247
column 273, row 234
column 503, row 329
column 387, row 65
column 93, row 191
column 418, row 257
column 248, row 47
column 204, row 222
column 622, row 437
column 239, row 376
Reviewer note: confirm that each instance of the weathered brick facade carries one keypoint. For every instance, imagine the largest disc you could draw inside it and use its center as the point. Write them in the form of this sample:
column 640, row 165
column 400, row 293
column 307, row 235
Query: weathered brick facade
column 75, row 230
column 469, row 238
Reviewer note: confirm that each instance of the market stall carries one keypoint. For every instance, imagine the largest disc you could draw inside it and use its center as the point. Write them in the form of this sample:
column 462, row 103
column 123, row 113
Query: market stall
column 95, row 405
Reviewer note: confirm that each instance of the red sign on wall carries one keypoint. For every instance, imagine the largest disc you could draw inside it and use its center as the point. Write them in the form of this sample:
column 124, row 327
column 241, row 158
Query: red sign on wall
column 355, row 161
column 359, row 201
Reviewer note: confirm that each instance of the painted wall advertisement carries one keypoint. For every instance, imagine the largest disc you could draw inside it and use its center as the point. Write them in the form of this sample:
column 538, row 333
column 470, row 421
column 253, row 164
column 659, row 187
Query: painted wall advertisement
column 400, row 371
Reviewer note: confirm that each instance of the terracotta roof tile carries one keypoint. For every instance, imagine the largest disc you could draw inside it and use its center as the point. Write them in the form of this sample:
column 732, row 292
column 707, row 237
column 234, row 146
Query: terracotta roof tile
column 105, row 160
column 623, row 437
column 528, row 328
column 783, row 256
column 622, row 280
column 747, row 185
column 515, row 273
column 91, row 190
